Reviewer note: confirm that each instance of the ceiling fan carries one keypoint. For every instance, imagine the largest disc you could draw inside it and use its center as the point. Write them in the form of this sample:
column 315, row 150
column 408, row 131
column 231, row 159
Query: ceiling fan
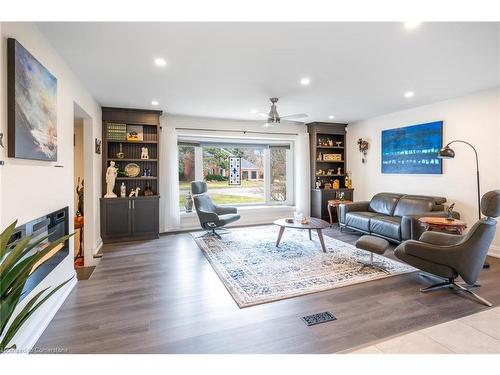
column 274, row 118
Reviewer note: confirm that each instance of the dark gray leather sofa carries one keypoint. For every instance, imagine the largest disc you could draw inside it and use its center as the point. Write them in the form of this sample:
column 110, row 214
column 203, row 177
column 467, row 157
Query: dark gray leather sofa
column 392, row 216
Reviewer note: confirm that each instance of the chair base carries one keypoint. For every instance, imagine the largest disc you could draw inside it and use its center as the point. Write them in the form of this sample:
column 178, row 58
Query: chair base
column 452, row 284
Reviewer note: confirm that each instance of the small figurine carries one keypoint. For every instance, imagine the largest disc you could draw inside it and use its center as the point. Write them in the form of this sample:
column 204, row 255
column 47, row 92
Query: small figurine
column 120, row 154
column 123, row 190
column 336, row 184
column 339, row 170
column 318, row 184
column 144, row 153
column 148, row 190
column 134, row 193
column 79, row 191
column 450, row 212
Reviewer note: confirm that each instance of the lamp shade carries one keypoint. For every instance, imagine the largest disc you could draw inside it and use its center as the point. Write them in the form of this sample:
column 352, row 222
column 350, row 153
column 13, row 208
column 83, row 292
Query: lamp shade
column 446, row 153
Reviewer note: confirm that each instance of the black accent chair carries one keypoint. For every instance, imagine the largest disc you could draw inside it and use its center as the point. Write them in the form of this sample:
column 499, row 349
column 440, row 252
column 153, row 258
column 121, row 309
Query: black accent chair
column 392, row 216
column 211, row 216
column 449, row 256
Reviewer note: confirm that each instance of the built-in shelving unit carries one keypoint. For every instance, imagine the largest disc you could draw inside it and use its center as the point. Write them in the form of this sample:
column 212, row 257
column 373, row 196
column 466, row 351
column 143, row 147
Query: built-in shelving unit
column 328, row 166
column 125, row 218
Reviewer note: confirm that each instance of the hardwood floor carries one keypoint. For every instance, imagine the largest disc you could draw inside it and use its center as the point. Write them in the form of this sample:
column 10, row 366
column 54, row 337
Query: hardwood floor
column 162, row 296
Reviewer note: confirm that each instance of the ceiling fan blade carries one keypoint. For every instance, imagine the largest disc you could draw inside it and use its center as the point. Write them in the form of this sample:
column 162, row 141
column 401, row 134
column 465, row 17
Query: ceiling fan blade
column 261, row 114
column 297, row 115
column 268, row 125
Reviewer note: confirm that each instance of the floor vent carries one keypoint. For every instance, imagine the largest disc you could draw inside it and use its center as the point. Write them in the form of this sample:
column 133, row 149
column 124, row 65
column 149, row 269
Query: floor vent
column 318, row 318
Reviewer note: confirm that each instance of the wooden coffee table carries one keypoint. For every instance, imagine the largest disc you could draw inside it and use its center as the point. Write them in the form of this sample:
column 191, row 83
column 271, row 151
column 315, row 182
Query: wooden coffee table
column 314, row 223
column 441, row 224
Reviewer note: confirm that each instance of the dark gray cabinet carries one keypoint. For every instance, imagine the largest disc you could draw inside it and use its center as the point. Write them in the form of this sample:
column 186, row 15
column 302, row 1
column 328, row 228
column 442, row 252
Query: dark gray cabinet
column 126, row 219
column 320, row 198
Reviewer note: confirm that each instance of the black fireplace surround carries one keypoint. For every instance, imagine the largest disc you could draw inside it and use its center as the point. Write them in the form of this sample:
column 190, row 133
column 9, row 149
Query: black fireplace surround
column 55, row 225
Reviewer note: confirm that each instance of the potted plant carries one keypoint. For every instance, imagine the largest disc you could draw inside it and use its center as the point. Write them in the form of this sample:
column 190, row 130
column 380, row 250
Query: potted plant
column 17, row 262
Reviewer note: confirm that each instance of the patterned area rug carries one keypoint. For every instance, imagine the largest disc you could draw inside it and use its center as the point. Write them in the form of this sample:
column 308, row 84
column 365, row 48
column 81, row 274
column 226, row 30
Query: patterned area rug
column 255, row 271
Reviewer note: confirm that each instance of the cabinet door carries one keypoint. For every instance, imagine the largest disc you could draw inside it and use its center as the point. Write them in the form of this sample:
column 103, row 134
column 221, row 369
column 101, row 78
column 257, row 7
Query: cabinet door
column 145, row 217
column 115, row 218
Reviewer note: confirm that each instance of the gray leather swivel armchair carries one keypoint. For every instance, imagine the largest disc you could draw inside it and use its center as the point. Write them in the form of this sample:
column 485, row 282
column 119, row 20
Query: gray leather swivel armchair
column 449, row 256
column 211, row 216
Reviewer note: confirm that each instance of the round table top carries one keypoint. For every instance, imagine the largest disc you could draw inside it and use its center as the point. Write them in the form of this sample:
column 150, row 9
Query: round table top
column 334, row 202
column 314, row 223
column 442, row 221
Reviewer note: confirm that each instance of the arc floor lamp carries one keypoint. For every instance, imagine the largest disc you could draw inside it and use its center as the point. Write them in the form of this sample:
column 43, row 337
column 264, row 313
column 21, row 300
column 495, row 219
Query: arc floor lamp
column 448, row 153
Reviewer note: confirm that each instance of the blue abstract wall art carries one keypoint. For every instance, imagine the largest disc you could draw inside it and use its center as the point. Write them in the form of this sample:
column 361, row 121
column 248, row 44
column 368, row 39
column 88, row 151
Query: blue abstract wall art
column 413, row 149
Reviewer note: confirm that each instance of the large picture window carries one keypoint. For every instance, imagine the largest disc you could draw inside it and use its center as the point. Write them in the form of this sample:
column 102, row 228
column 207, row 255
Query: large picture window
column 265, row 169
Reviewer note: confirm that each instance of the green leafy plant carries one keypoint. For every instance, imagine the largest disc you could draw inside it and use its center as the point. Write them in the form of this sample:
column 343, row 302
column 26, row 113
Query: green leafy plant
column 16, row 265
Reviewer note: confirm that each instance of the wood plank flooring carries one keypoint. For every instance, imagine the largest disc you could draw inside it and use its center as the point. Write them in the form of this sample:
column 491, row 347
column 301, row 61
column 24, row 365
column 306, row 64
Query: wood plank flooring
column 162, row 296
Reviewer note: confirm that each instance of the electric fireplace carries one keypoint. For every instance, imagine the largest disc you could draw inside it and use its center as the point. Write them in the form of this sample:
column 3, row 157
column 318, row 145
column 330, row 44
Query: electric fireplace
column 55, row 225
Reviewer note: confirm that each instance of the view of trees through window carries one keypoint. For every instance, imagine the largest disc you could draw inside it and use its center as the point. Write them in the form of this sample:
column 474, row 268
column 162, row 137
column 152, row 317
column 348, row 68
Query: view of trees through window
column 214, row 162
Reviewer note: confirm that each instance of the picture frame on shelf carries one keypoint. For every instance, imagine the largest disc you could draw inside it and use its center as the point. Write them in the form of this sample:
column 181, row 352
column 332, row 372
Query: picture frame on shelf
column 135, row 133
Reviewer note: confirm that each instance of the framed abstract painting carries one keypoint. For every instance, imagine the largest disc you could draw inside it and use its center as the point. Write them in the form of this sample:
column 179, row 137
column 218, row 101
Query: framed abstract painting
column 413, row 149
column 31, row 106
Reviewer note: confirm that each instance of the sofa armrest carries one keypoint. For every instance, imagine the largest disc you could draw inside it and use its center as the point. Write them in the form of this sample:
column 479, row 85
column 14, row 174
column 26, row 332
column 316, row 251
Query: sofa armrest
column 223, row 210
column 411, row 228
column 344, row 208
column 440, row 239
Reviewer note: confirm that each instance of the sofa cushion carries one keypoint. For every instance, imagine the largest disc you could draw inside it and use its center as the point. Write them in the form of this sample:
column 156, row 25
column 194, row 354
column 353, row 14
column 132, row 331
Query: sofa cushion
column 387, row 226
column 413, row 206
column 359, row 220
column 384, row 203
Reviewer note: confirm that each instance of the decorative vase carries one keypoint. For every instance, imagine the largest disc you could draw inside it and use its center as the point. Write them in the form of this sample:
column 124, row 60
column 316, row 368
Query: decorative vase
column 188, row 204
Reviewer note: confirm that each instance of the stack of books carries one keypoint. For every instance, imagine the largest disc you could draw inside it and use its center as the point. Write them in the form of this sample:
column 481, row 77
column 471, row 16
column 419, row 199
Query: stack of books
column 117, row 132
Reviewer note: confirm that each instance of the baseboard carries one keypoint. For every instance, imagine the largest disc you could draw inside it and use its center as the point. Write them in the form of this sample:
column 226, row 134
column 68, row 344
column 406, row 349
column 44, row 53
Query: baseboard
column 95, row 252
column 494, row 251
column 51, row 312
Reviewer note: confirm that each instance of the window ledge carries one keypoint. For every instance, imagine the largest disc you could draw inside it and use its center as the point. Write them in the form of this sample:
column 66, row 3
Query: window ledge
column 250, row 209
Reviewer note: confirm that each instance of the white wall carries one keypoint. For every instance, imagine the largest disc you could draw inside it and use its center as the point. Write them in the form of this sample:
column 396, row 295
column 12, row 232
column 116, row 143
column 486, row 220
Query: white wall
column 474, row 118
column 225, row 128
column 29, row 189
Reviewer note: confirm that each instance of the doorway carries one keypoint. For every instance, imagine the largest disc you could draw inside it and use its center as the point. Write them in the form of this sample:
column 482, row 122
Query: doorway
column 83, row 182
column 78, row 188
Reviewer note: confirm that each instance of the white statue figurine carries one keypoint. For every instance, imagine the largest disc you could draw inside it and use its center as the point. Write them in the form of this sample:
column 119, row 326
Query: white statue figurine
column 144, row 153
column 111, row 174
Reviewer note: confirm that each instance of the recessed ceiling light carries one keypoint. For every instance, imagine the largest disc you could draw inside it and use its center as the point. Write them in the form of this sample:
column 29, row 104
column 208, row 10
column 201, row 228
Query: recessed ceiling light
column 154, row 102
column 412, row 25
column 254, row 111
column 331, row 117
column 305, row 81
column 160, row 61
column 409, row 94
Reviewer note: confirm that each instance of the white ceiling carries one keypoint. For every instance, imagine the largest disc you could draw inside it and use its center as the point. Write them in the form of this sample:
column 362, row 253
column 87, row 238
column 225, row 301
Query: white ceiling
column 357, row 70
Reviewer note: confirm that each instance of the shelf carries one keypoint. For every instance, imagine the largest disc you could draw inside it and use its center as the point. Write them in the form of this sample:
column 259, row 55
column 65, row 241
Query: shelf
column 136, row 142
column 331, row 147
column 137, row 178
column 330, row 175
column 125, row 159
column 329, row 161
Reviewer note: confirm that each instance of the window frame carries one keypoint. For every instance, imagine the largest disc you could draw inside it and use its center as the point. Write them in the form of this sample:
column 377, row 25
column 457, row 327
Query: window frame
column 238, row 142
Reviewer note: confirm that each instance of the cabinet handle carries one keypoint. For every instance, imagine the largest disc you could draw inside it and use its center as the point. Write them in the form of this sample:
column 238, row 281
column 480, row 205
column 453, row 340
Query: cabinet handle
column 129, row 205
column 133, row 204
